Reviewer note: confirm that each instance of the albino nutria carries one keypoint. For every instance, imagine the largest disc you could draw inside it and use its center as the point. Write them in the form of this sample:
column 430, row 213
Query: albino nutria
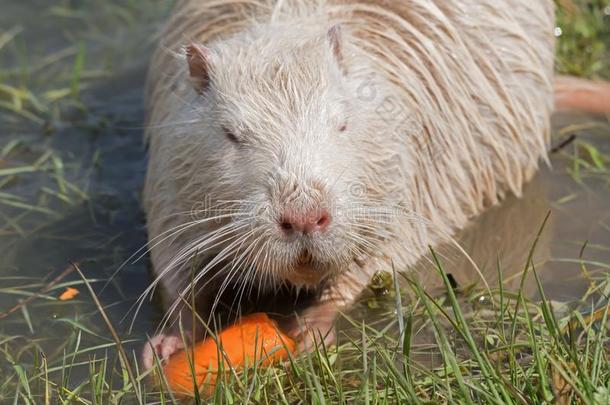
column 311, row 143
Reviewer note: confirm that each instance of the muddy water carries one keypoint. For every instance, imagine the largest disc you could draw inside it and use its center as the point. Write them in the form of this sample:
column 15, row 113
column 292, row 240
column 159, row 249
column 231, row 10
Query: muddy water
column 81, row 204
column 94, row 140
column 576, row 233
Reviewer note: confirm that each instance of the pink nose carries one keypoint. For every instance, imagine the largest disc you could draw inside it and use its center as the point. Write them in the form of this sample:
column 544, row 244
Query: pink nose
column 305, row 222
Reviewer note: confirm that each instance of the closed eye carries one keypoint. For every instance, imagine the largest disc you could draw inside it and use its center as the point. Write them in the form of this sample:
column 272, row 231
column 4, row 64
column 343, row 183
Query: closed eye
column 230, row 135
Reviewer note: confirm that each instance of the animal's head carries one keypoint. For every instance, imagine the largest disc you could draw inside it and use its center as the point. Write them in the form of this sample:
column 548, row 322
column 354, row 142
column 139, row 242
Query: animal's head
column 282, row 148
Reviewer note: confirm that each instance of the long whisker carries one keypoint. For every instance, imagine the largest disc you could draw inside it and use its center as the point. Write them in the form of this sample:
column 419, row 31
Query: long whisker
column 214, row 236
column 215, row 260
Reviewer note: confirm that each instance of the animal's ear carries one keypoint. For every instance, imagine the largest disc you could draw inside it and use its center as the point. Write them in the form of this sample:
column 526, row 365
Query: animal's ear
column 197, row 57
column 334, row 39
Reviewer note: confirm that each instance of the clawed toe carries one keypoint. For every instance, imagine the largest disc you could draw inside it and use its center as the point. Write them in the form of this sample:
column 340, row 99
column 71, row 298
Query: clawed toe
column 161, row 346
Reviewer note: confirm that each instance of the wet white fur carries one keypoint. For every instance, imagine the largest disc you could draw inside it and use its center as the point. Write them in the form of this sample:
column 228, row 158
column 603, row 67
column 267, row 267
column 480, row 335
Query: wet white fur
column 470, row 84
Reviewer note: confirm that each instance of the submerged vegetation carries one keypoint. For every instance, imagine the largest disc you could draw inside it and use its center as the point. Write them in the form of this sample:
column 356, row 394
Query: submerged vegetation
column 70, row 114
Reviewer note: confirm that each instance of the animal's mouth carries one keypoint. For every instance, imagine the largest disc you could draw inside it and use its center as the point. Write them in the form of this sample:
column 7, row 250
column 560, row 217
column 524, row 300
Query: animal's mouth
column 306, row 262
column 307, row 272
column 305, row 258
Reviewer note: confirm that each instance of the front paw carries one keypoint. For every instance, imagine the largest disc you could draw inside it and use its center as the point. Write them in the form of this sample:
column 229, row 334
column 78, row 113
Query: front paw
column 314, row 327
column 161, row 346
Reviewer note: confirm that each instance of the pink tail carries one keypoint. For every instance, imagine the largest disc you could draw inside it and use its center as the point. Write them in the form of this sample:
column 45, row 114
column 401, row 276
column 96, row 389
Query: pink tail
column 572, row 93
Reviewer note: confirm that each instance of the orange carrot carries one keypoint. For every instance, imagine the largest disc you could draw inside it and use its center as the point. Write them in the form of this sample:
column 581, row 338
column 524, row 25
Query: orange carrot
column 254, row 338
column 68, row 294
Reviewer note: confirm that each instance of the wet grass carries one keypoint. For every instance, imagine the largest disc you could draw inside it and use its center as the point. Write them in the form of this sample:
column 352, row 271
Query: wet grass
column 44, row 92
column 493, row 346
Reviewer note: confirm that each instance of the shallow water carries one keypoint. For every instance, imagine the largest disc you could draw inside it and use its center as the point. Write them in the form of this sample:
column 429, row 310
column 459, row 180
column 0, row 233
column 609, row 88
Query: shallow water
column 80, row 201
